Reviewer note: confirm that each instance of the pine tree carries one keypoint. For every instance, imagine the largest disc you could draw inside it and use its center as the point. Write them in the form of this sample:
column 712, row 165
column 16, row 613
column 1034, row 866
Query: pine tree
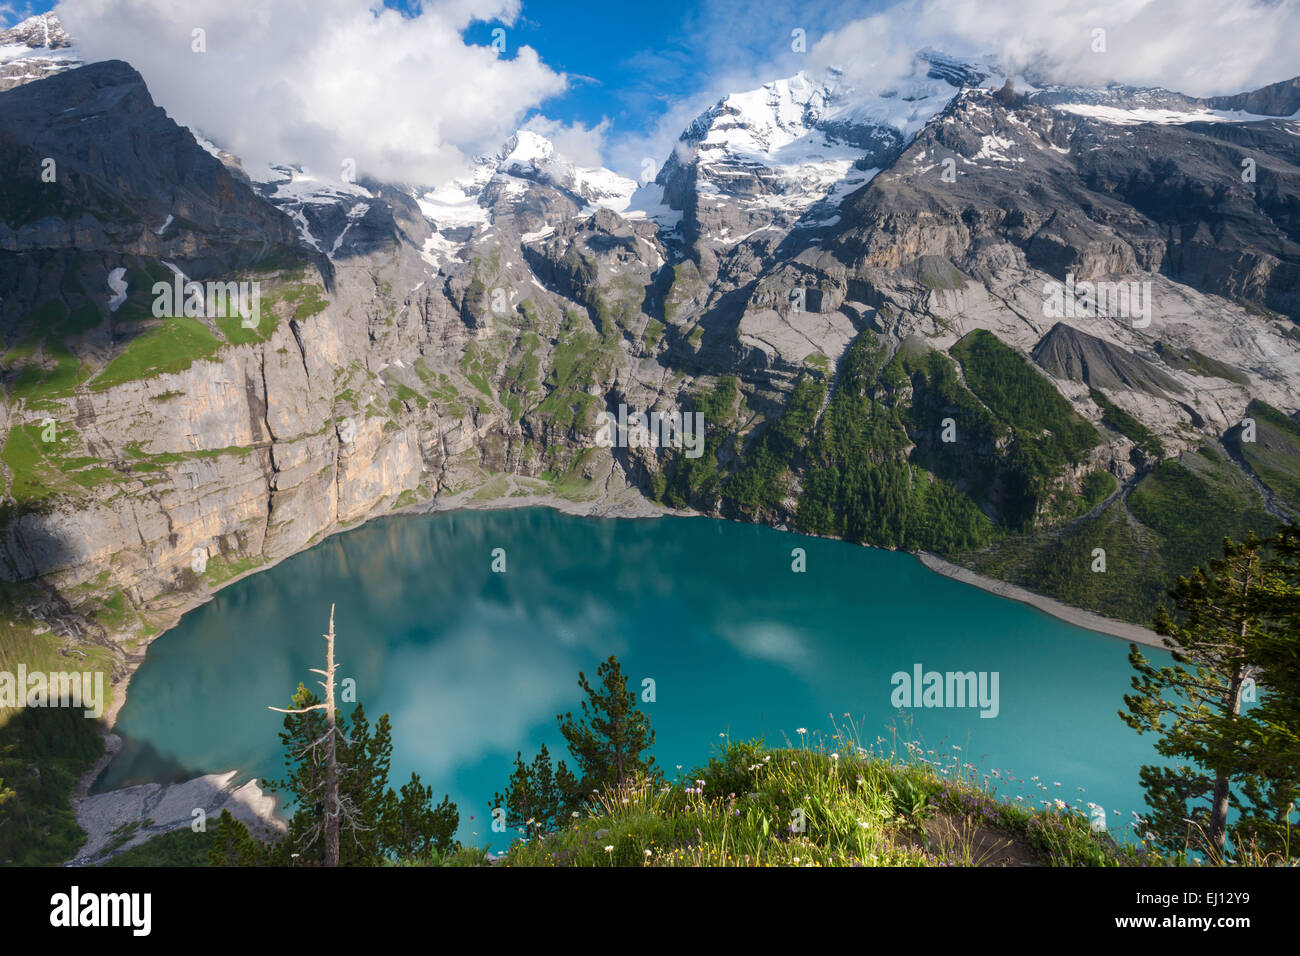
column 610, row 740
column 1195, row 705
column 413, row 828
column 323, row 750
column 1273, row 738
column 539, row 799
column 337, row 782
column 307, row 785
column 364, row 758
column 233, row 845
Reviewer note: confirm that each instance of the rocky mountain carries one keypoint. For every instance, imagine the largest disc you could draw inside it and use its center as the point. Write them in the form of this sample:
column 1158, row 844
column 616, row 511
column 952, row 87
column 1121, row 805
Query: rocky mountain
column 1007, row 322
column 34, row 49
column 787, row 153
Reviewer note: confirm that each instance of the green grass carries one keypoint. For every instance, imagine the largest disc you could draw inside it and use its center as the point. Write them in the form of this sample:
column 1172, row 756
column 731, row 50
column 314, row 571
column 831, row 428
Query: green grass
column 221, row 568
column 612, row 319
column 296, row 300
column 41, row 384
column 41, row 470
column 580, row 358
column 172, row 346
column 234, row 331
column 114, row 612
column 523, row 376
column 478, row 365
column 19, row 644
column 1060, row 565
column 654, row 331
column 1098, row 486
column 306, row 300
column 830, row 804
column 46, row 368
column 140, row 280
column 686, row 285
column 1275, row 454
column 1193, row 504
column 33, row 477
column 571, row 484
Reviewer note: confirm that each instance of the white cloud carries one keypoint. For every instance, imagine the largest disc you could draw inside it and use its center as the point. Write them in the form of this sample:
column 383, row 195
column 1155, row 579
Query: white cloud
column 580, row 144
column 769, row 641
column 1199, row 47
column 11, row 13
column 321, row 81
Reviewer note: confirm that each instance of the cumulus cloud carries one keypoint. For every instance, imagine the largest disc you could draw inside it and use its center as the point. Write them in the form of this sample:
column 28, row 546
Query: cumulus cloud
column 1199, row 47
column 11, row 13
column 319, row 82
column 576, row 142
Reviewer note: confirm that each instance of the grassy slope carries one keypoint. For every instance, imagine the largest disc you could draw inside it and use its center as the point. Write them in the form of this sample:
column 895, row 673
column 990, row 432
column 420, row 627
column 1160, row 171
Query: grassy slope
column 36, row 824
column 858, row 809
column 43, row 752
column 1173, row 520
column 1275, row 454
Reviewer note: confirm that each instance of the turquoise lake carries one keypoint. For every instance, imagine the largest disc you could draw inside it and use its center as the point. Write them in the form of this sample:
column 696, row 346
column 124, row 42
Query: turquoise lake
column 474, row 665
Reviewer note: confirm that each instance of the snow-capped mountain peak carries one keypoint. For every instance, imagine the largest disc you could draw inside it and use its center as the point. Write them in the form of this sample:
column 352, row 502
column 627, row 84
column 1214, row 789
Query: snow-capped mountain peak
column 532, row 156
column 763, row 120
column 34, row 49
column 43, row 31
column 526, row 147
column 528, row 179
column 791, row 149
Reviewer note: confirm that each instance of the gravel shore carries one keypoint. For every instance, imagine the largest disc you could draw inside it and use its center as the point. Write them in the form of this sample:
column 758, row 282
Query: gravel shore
column 1132, row 633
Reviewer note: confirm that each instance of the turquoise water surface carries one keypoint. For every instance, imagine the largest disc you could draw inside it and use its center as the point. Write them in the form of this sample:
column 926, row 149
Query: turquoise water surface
column 474, row 665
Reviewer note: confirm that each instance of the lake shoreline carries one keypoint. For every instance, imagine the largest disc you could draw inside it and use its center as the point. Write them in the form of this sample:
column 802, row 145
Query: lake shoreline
column 93, row 811
column 1124, row 630
column 117, row 820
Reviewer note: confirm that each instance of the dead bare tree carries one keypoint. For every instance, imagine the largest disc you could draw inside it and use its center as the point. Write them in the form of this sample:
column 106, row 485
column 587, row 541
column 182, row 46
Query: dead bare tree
column 333, row 808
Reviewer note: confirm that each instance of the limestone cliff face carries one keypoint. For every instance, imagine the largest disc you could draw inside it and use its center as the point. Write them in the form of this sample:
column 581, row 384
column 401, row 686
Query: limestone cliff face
column 208, row 456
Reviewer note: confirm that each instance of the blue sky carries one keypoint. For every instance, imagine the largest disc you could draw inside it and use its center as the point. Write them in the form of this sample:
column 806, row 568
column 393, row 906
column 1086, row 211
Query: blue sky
column 632, row 63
